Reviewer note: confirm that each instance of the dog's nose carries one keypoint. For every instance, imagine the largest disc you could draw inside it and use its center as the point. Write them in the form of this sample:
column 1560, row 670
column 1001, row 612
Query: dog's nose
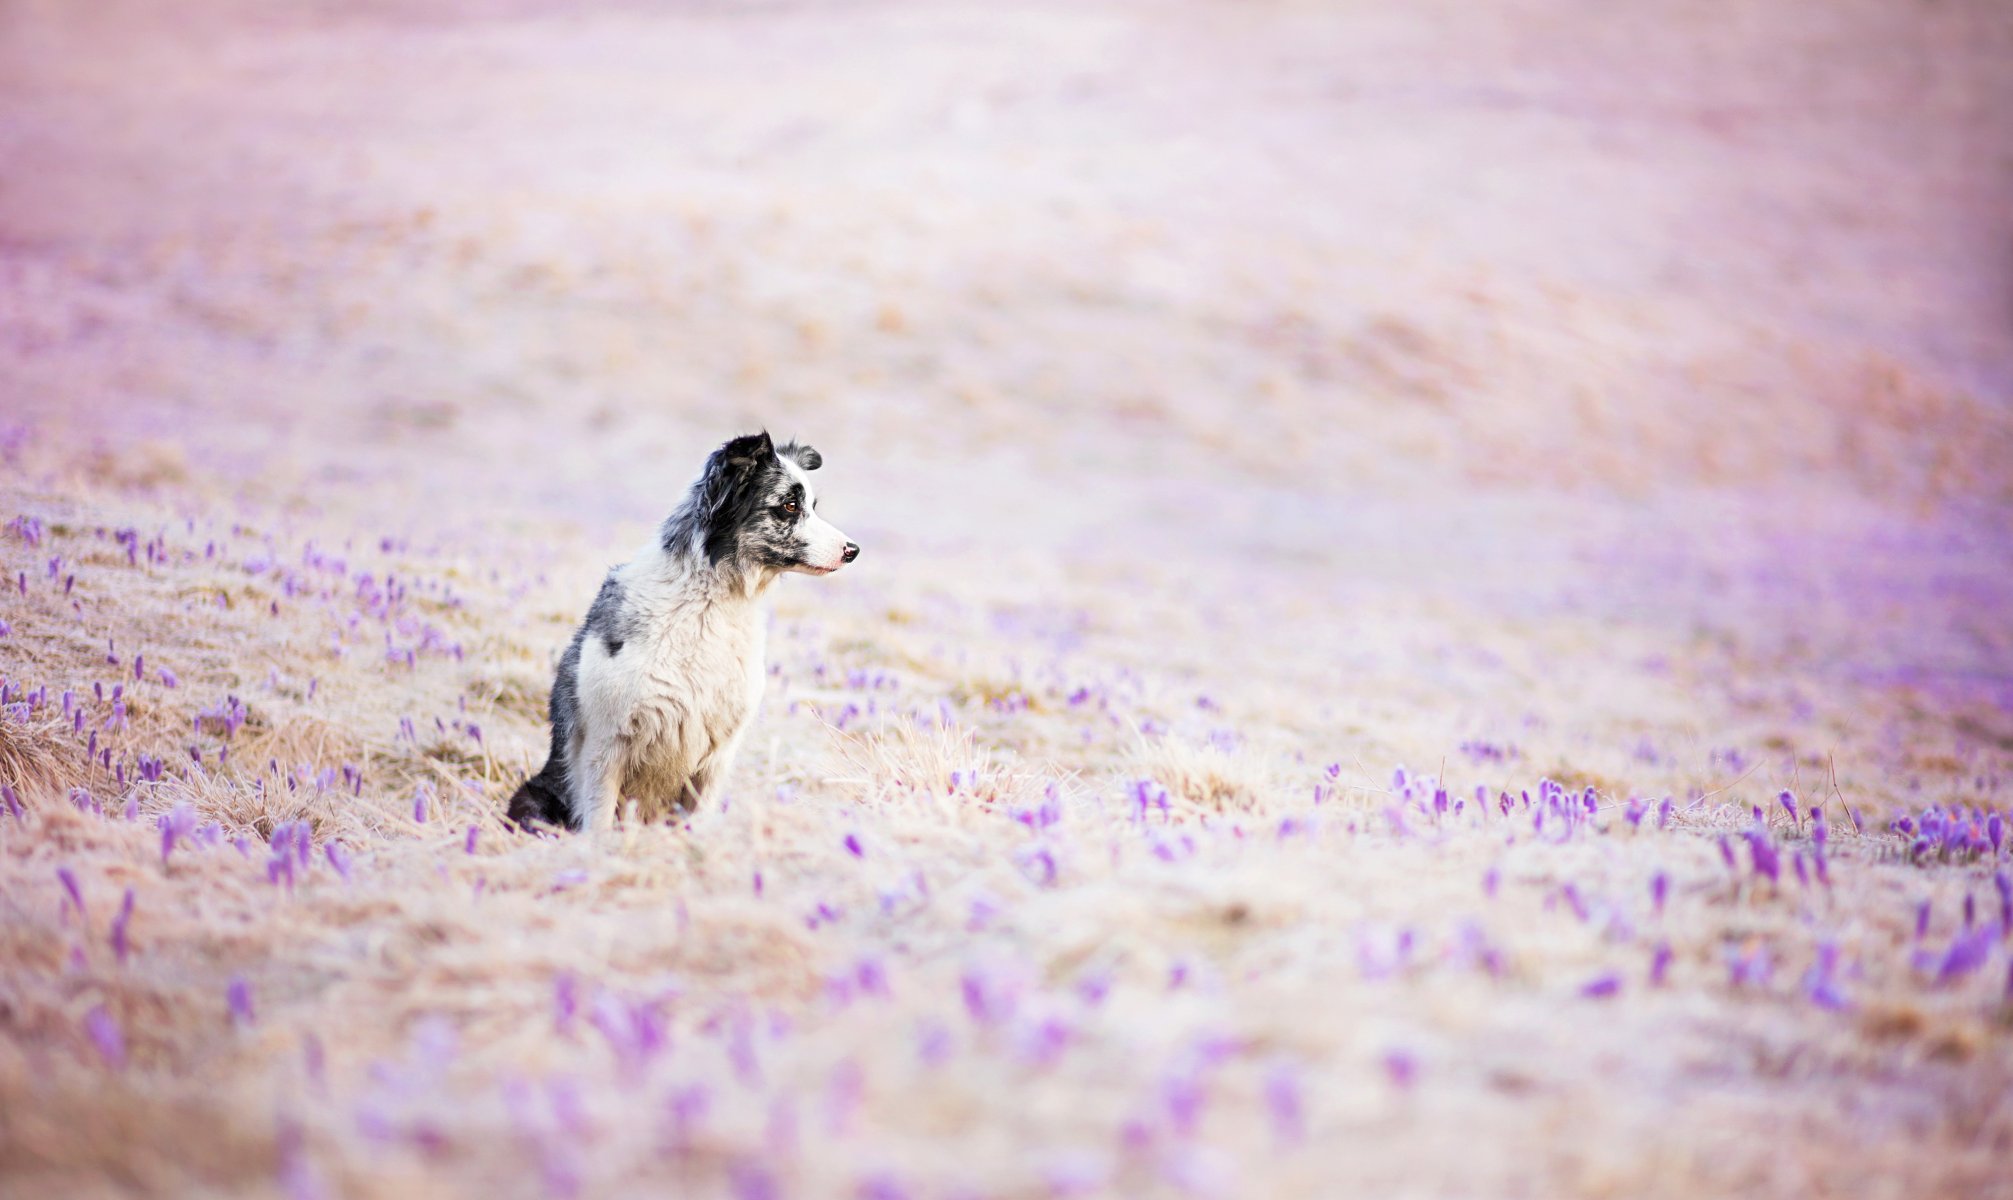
column 852, row 552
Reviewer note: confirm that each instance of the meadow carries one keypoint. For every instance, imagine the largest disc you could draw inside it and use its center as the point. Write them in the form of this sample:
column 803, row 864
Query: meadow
column 1435, row 616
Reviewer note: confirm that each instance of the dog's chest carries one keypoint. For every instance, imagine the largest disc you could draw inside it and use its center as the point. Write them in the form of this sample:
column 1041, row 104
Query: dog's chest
column 689, row 675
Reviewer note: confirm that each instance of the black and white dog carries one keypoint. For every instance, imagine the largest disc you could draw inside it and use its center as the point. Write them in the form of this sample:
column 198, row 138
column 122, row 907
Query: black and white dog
column 661, row 680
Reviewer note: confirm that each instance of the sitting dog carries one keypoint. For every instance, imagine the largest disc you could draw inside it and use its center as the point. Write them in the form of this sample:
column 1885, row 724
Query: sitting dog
column 661, row 680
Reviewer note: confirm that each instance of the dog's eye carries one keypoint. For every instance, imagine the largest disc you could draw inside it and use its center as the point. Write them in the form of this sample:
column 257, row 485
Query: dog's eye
column 790, row 506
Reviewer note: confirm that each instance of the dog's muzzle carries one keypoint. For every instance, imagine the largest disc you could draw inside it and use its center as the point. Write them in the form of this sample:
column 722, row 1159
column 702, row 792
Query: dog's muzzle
column 852, row 552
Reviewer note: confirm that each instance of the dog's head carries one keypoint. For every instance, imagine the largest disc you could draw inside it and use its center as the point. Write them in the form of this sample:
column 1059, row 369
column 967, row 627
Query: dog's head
column 756, row 509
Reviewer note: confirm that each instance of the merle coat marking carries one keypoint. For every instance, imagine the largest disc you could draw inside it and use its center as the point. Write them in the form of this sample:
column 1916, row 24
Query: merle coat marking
column 660, row 681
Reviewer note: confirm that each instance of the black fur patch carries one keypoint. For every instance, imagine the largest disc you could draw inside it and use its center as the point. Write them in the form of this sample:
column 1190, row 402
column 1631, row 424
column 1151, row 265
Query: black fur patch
column 726, row 499
column 605, row 618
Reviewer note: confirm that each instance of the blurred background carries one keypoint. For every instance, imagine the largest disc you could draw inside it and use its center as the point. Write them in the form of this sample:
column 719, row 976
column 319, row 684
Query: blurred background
column 1422, row 288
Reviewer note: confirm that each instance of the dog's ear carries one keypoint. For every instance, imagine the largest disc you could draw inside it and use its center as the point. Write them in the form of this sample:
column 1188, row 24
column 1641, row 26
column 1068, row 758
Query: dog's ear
column 746, row 451
column 806, row 457
column 728, row 490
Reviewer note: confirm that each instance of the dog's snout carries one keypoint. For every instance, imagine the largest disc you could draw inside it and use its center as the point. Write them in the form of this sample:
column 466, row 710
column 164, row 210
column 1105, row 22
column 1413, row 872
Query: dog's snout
column 852, row 552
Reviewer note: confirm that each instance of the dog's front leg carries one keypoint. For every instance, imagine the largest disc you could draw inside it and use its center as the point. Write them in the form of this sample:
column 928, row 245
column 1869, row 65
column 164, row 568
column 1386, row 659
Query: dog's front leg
column 596, row 785
column 711, row 776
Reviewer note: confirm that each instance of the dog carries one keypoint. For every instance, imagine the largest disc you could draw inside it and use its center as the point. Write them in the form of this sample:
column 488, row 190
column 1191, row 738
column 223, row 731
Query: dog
column 661, row 680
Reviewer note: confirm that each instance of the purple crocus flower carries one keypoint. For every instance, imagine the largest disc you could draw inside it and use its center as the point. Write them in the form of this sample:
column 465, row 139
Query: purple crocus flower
column 1602, row 987
column 239, row 997
column 178, row 823
column 1660, row 886
column 565, row 1001
column 880, row 1187
column 468, row 845
column 338, row 858
column 751, row 1181
column 1401, row 1068
column 1820, row 982
column 105, row 1035
column 685, row 1110
column 1283, row 1105
column 1763, row 856
column 853, row 846
column 1966, row 954
column 1660, row 964
column 121, row 946
column 74, row 890
column 1183, row 1095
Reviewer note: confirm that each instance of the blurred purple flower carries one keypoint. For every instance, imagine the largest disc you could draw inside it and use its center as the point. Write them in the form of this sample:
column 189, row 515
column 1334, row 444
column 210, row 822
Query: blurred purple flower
column 74, row 891
column 1401, row 1068
column 933, row 1045
column 1820, row 982
column 121, row 946
column 1283, row 1105
column 177, row 823
column 105, row 1035
column 1183, row 1095
column 1966, row 954
column 751, row 1181
column 1660, row 964
column 880, row 1187
column 685, row 1109
column 565, row 1001
column 239, row 998
column 1762, row 854
column 1602, row 987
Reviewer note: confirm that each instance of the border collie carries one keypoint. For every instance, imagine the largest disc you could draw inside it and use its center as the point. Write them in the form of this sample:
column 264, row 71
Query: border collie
column 662, row 678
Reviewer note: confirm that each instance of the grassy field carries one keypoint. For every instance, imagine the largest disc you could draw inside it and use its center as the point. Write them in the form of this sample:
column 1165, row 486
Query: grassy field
column 1436, row 615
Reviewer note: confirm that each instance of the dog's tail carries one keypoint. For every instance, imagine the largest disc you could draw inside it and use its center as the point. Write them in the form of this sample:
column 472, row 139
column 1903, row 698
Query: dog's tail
column 541, row 800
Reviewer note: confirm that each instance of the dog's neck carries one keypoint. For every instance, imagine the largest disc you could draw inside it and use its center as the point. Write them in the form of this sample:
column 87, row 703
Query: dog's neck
column 686, row 567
